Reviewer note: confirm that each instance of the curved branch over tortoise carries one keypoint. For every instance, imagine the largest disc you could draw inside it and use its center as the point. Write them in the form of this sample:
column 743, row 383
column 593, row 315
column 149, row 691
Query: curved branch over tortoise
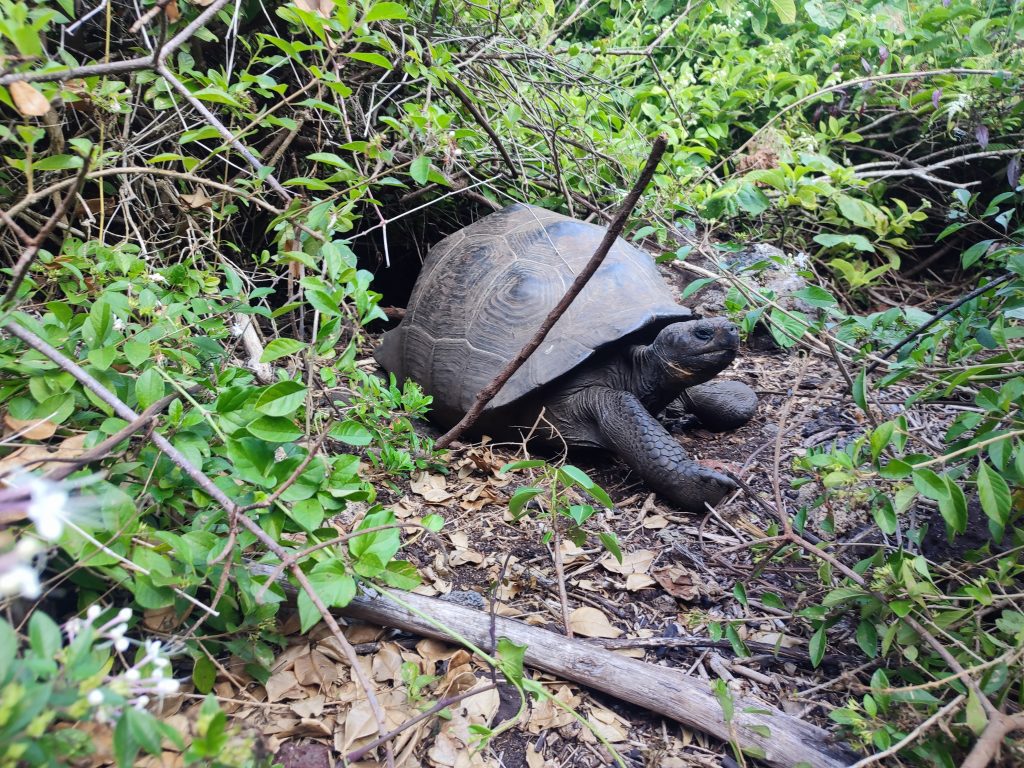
column 623, row 350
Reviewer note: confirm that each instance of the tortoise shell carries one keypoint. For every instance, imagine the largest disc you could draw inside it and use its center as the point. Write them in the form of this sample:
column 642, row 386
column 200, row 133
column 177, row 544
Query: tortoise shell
column 484, row 290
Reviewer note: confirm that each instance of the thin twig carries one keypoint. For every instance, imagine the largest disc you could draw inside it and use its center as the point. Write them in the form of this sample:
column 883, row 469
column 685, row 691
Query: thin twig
column 32, row 245
column 910, row 737
column 611, row 234
column 482, row 121
column 928, row 324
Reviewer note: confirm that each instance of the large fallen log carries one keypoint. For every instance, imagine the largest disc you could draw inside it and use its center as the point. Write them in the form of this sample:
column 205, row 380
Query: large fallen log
column 783, row 739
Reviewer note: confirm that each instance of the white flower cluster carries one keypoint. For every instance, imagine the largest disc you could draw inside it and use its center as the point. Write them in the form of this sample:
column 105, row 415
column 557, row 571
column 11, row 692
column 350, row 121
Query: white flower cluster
column 959, row 104
column 46, row 505
column 136, row 686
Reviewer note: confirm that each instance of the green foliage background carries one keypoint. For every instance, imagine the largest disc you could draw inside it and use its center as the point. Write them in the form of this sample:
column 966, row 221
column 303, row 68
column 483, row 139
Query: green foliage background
column 234, row 174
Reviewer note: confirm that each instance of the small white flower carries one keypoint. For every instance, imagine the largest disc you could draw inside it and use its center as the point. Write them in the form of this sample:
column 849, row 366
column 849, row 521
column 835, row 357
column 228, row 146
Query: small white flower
column 118, row 323
column 48, row 509
column 237, row 330
column 93, row 612
column 160, row 662
column 141, row 702
column 153, row 647
column 72, row 627
column 121, row 644
column 20, row 580
column 95, row 698
column 167, row 686
column 124, row 615
column 132, row 675
column 27, row 548
column 158, row 672
column 156, row 277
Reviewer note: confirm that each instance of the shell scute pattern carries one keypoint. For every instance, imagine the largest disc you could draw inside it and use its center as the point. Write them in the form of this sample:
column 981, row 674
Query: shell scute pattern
column 486, row 289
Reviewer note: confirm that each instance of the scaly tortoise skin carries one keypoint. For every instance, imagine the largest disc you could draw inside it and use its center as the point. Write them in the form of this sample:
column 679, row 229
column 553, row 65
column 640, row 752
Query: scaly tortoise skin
column 623, row 350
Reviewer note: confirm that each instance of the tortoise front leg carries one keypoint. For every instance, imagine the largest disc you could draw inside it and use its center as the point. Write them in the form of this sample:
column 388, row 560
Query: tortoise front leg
column 720, row 404
column 624, row 426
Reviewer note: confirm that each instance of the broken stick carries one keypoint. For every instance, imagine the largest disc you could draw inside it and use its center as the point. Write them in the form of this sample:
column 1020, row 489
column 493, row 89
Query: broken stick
column 780, row 739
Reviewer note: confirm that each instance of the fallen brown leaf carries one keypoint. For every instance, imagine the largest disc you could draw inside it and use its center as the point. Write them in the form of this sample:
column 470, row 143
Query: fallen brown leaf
column 28, row 99
column 590, row 622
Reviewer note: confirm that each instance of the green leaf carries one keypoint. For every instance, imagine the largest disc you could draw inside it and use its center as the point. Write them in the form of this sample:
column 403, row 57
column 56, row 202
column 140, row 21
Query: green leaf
column 136, row 352
column 867, row 638
column 433, row 523
column 370, row 58
column 520, row 499
column 523, row 464
column 8, row 650
column 611, row 543
column 826, row 14
column 695, row 286
column 57, row 163
column 975, row 716
column 279, row 348
column 510, row 660
column 994, row 494
column 274, row 429
column 787, row 328
column 858, row 242
column 204, row 674
column 281, row 399
column 352, row 433
column 786, row 10
column 419, row 169
column 571, row 475
column 44, row 636
column 333, row 585
column 930, row 485
column 816, row 647
column 816, row 297
column 859, row 392
column 149, row 387
column 382, row 11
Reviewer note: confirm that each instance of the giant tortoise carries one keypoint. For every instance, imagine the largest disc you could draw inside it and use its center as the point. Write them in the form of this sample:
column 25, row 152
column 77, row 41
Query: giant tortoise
column 620, row 354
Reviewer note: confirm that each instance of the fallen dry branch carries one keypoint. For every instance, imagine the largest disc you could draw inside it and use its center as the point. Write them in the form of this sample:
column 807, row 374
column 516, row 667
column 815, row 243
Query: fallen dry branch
column 784, row 739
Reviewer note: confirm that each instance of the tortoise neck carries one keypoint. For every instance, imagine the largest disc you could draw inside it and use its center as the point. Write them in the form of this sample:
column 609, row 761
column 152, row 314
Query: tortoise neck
column 651, row 378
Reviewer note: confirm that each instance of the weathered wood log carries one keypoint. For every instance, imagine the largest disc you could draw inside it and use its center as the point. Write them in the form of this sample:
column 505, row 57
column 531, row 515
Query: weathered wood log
column 783, row 739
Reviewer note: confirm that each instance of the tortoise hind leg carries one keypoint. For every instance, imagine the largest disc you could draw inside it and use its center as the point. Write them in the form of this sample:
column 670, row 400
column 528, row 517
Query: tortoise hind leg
column 720, row 404
column 620, row 423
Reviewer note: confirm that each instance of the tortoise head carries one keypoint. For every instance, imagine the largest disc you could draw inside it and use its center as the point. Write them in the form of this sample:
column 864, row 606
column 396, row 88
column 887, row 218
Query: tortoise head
column 694, row 351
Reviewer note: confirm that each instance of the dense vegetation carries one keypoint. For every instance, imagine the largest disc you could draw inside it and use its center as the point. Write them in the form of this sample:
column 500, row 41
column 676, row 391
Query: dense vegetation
column 173, row 182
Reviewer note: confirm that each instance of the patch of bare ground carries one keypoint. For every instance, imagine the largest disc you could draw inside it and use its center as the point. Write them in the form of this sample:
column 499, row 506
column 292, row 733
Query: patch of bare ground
column 683, row 579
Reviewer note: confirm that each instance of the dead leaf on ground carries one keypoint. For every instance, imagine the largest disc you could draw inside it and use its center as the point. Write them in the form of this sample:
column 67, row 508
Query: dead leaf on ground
column 545, row 716
column 609, row 725
column 678, row 582
column 590, row 622
column 638, row 581
column 433, row 488
column 28, row 99
column 33, row 429
column 632, row 562
column 311, row 706
column 359, row 723
column 463, row 553
column 283, row 685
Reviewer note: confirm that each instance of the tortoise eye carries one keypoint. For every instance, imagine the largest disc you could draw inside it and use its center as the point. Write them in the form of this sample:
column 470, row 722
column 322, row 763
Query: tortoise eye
column 704, row 332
